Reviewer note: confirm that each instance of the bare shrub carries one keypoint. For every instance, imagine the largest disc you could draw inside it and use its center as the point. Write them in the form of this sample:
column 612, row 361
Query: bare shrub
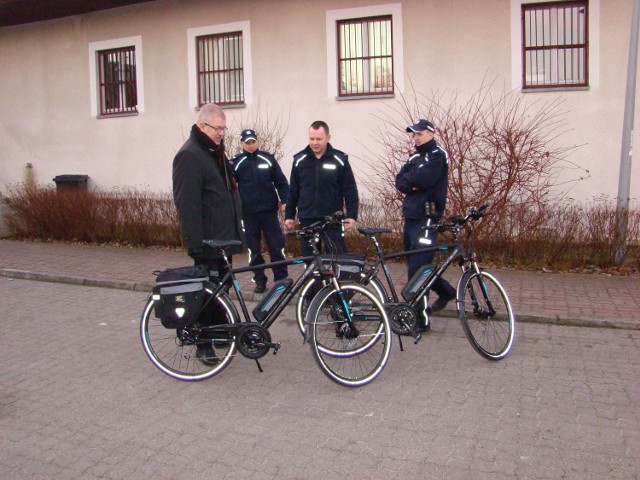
column 573, row 236
column 502, row 150
column 271, row 132
column 125, row 216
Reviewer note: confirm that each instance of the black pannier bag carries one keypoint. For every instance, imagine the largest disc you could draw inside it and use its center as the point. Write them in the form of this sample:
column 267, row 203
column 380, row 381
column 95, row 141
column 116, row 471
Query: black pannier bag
column 179, row 295
column 347, row 265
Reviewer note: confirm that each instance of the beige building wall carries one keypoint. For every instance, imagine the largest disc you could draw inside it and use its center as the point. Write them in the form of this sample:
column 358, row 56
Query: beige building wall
column 48, row 116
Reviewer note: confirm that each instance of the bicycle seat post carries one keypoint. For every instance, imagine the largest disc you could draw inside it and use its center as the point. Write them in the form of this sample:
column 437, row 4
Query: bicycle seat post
column 225, row 258
column 376, row 244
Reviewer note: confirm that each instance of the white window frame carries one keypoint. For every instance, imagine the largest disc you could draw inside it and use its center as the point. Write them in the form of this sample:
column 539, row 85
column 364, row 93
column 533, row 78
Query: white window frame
column 516, row 47
column 332, row 17
column 192, row 62
column 94, row 93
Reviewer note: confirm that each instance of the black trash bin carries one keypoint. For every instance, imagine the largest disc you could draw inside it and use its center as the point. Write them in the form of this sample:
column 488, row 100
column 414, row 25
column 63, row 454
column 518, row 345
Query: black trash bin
column 71, row 182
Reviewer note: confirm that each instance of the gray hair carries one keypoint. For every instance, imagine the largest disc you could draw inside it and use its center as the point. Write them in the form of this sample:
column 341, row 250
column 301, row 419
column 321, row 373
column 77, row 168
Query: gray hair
column 209, row 111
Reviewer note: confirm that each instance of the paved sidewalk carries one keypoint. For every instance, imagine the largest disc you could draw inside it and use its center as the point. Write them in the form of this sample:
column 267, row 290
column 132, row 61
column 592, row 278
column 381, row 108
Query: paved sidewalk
column 566, row 299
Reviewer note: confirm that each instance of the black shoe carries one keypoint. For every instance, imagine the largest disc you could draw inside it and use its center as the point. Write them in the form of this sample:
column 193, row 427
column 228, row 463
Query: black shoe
column 260, row 287
column 207, row 355
column 440, row 303
column 422, row 328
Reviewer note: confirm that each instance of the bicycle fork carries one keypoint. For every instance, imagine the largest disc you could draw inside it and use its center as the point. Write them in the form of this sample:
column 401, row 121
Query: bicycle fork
column 478, row 309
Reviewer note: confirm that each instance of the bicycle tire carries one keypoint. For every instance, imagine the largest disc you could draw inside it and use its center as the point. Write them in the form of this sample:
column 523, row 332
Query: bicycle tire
column 304, row 298
column 173, row 351
column 486, row 314
column 352, row 353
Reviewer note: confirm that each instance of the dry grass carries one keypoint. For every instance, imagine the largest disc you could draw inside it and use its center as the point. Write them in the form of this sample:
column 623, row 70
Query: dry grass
column 571, row 237
column 125, row 216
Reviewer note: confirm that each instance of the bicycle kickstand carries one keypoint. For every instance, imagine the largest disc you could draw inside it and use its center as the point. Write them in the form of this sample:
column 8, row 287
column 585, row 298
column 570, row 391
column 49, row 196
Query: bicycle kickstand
column 275, row 346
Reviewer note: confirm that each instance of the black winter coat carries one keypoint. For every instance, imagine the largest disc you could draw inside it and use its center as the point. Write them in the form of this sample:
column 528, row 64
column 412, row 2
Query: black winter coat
column 424, row 178
column 206, row 194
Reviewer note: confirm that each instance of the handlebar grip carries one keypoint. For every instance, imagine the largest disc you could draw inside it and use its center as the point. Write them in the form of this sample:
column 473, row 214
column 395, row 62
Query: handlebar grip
column 475, row 214
column 336, row 218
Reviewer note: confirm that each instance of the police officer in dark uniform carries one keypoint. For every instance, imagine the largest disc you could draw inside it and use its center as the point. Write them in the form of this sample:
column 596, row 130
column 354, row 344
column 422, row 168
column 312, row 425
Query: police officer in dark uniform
column 264, row 190
column 424, row 180
column 322, row 183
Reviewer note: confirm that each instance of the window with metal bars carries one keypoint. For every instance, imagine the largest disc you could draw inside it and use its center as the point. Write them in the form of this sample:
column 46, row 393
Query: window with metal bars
column 365, row 56
column 220, row 69
column 117, row 78
column 555, row 45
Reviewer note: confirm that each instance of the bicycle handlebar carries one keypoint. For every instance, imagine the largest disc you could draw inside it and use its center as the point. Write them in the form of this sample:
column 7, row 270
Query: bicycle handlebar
column 336, row 218
column 474, row 214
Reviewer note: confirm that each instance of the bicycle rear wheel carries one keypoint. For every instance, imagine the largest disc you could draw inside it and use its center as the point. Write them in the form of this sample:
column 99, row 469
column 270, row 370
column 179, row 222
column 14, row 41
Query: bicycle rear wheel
column 173, row 351
column 350, row 337
column 486, row 314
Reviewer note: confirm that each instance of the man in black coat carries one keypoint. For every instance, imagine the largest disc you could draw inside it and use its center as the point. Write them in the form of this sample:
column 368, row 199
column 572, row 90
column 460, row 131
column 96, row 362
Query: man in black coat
column 264, row 190
column 206, row 196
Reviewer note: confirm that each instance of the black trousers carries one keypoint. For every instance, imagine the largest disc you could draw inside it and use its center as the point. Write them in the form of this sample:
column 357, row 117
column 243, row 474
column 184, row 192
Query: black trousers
column 413, row 233
column 256, row 224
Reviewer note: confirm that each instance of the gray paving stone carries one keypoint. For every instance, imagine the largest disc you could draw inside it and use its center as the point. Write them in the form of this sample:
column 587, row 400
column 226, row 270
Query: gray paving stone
column 79, row 399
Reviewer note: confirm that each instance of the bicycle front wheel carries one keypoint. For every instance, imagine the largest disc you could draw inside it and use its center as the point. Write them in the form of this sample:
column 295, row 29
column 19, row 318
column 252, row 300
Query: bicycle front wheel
column 173, row 351
column 350, row 337
column 314, row 285
column 486, row 314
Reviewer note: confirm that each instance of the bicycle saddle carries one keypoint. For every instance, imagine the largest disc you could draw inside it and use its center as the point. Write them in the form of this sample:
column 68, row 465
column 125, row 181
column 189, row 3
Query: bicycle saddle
column 221, row 243
column 372, row 231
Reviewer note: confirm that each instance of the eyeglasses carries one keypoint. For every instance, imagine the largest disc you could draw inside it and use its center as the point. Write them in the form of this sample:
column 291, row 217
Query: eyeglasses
column 217, row 129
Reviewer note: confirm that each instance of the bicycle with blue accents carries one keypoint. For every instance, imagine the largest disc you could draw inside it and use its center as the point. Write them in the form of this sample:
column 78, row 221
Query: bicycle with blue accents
column 347, row 326
column 482, row 303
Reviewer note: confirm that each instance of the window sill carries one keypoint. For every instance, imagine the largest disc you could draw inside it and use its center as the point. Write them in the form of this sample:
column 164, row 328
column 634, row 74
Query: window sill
column 116, row 115
column 365, row 97
column 226, row 107
column 555, row 89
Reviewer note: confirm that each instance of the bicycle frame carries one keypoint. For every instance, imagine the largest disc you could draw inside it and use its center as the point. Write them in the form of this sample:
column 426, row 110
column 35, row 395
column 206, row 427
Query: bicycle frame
column 458, row 252
column 314, row 264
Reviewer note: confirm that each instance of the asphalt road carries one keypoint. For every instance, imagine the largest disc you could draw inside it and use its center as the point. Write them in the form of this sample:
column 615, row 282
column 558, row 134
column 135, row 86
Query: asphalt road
column 79, row 399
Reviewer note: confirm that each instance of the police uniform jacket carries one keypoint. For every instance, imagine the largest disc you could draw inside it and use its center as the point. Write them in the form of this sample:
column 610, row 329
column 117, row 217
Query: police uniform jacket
column 260, row 180
column 321, row 187
column 206, row 194
column 424, row 178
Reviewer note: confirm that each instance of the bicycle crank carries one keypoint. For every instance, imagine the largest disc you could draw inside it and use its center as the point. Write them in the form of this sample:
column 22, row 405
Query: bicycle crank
column 403, row 319
column 254, row 341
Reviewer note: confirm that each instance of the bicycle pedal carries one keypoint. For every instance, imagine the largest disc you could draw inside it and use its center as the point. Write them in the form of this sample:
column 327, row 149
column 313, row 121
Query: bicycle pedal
column 275, row 346
column 417, row 339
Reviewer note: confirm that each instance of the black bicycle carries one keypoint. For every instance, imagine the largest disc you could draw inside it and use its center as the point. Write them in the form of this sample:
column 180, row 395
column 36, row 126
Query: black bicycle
column 349, row 334
column 481, row 301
